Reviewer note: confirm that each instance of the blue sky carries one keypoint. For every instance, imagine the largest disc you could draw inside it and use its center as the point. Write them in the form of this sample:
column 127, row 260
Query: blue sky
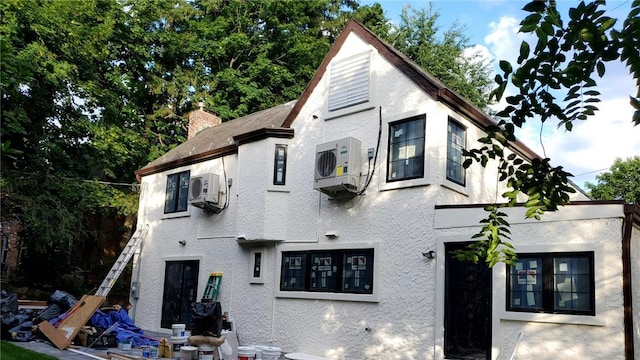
column 592, row 145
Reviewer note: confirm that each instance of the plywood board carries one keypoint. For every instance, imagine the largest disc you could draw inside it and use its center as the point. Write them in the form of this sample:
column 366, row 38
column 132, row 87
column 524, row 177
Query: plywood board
column 77, row 317
column 56, row 336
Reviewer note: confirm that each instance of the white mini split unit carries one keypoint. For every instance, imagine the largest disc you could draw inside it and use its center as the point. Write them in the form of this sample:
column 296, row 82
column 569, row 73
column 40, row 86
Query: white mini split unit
column 204, row 192
column 337, row 167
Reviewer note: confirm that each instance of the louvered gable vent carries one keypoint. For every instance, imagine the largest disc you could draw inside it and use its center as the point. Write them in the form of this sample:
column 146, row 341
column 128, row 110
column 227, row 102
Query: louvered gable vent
column 349, row 82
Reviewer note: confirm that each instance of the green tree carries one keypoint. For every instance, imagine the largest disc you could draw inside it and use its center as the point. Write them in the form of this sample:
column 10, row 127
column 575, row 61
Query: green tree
column 621, row 182
column 94, row 91
column 441, row 53
column 556, row 80
column 57, row 84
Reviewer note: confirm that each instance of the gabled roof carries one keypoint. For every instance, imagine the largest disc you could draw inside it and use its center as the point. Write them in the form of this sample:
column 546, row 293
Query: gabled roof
column 223, row 139
column 419, row 76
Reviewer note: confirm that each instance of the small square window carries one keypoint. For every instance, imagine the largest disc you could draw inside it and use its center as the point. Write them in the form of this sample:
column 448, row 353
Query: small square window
column 559, row 283
column 405, row 159
column 177, row 192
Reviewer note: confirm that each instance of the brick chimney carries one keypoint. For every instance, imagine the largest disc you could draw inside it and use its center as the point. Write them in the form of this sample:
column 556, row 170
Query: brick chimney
column 201, row 119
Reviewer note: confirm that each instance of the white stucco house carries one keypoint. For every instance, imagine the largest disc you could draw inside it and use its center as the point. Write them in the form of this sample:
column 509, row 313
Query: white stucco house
column 332, row 218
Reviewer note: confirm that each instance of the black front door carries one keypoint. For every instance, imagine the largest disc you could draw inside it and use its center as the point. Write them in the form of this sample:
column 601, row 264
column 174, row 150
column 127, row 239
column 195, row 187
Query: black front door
column 467, row 320
column 180, row 287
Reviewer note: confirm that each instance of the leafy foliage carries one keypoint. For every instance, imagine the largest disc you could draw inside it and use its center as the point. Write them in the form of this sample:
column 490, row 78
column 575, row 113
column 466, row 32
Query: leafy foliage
column 566, row 59
column 621, row 182
column 442, row 54
column 92, row 92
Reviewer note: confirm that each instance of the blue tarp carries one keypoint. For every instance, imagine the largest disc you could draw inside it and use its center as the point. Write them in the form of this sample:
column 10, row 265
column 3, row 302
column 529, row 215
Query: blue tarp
column 126, row 329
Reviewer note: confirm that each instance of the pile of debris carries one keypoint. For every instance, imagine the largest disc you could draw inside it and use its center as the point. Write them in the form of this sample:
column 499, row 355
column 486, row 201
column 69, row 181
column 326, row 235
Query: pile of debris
column 66, row 319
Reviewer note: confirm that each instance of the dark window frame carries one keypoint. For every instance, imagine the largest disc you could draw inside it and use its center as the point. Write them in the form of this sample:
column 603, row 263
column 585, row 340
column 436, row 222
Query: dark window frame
column 548, row 292
column 341, row 280
column 450, row 147
column 422, row 121
column 280, row 164
column 177, row 198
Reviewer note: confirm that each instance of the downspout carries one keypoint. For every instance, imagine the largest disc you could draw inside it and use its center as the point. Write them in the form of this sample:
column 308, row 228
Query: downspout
column 631, row 213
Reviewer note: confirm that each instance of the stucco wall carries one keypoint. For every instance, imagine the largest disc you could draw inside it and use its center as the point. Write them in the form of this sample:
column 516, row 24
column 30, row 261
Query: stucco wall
column 398, row 218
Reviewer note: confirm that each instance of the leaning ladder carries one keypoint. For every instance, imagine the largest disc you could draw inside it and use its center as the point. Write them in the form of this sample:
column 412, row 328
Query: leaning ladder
column 122, row 261
column 213, row 287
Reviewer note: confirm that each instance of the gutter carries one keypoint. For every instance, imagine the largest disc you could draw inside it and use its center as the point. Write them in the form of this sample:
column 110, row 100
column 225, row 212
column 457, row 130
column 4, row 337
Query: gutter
column 631, row 217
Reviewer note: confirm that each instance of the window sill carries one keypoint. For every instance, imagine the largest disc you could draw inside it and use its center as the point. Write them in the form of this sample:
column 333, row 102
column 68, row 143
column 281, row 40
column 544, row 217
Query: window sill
column 327, row 296
column 276, row 188
column 404, row 184
column 597, row 320
column 176, row 215
column 455, row 187
column 335, row 114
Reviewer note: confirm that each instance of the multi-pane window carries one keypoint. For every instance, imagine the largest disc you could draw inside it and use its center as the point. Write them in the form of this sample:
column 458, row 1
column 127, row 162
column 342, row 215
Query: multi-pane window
column 456, row 140
column 337, row 271
column 406, row 149
column 280, row 165
column 177, row 192
column 552, row 283
column 349, row 81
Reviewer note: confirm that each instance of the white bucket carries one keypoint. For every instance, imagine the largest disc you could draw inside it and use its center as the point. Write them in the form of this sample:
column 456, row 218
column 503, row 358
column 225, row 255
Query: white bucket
column 178, row 330
column 205, row 352
column 246, row 353
column 125, row 345
column 271, row 353
column 177, row 343
column 259, row 351
column 188, row 352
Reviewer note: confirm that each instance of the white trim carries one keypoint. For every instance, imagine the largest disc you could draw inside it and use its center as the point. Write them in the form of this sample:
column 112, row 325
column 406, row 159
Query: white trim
column 470, row 217
column 177, row 214
column 331, row 296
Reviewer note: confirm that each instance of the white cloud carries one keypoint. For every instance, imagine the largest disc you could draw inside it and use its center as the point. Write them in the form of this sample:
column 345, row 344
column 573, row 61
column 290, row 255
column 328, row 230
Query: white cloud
column 503, row 40
column 593, row 144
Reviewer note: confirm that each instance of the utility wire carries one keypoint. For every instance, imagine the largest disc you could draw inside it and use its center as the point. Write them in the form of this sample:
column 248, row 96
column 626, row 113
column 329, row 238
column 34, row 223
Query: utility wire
column 82, row 180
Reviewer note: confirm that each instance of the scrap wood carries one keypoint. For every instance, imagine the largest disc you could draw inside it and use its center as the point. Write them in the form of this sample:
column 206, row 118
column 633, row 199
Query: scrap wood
column 71, row 325
column 70, row 312
column 56, row 336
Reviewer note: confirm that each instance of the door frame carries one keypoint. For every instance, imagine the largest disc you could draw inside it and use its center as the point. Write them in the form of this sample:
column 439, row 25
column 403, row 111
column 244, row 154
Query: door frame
column 440, row 299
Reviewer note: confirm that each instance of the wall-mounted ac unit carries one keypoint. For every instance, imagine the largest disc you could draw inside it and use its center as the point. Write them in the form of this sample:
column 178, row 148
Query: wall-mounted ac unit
column 337, row 167
column 204, row 191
